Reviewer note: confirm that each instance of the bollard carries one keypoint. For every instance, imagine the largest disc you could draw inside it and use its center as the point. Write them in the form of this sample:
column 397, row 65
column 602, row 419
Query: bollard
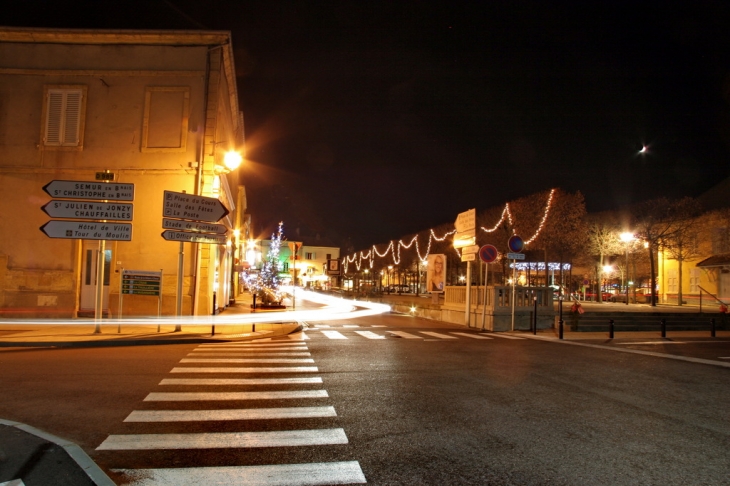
column 560, row 329
column 712, row 327
column 534, row 300
column 610, row 329
column 664, row 328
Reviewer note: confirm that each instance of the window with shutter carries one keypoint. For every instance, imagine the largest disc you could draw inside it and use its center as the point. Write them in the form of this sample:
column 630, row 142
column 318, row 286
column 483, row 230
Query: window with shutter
column 64, row 116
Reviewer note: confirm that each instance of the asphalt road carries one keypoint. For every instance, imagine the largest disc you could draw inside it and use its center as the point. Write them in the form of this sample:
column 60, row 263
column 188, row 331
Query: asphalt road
column 389, row 402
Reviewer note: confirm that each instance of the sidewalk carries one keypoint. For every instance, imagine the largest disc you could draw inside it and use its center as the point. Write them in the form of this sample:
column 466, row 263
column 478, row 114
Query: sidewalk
column 119, row 333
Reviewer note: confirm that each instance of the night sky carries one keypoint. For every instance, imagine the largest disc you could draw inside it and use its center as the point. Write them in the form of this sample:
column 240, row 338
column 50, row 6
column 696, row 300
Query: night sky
column 375, row 120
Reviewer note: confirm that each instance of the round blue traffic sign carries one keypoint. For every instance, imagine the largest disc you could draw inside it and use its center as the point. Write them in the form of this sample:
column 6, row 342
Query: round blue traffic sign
column 488, row 253
column 516, row 244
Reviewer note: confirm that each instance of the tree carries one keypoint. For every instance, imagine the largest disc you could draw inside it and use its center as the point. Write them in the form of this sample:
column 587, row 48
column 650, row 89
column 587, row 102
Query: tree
column 603, row 240
column 659, row 222
column 266, row 284
column 564, row 229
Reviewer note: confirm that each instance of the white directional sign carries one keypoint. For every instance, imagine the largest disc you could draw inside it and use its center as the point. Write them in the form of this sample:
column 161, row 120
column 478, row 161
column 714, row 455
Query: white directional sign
column 468, row 257
column 189, row 206
column 87, row 230
column 516, row 256
column 90, row 190
column 89, row 210
column 178, row 224
column 186, row 237
column 466, row 221
column 470, row 249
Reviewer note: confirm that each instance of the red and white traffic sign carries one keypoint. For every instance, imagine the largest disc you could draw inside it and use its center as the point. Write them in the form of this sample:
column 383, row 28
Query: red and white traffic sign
column 488, row 253
column 180, row 205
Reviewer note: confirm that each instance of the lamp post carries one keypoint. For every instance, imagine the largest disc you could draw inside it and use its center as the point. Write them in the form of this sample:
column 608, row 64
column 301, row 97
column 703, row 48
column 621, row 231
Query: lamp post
column 627, row 238
column 390, row 269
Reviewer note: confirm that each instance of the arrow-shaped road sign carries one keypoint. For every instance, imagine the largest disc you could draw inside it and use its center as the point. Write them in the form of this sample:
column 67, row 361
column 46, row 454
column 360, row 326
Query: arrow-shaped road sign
column 89, row 210
column 88, row 230
column 180, row 205
column 186, row 237
column 90, row 190
column 177, row 224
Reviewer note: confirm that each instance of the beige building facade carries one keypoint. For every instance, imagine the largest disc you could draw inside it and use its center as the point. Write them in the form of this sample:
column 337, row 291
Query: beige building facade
column 154, row 109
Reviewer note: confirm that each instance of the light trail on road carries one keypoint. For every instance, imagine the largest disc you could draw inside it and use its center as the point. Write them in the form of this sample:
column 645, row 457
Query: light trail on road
column 332, row 308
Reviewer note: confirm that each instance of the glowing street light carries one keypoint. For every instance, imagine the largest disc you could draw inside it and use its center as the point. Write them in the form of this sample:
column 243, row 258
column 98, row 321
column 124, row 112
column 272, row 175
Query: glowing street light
column 232, row 160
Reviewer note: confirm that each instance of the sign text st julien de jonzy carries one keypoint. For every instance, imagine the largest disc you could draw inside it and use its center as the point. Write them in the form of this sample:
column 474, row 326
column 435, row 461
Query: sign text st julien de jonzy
column 88, row 201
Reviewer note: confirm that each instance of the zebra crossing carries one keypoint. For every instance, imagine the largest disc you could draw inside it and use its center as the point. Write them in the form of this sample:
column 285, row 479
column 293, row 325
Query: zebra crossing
column 238, row 368
column 350, row 332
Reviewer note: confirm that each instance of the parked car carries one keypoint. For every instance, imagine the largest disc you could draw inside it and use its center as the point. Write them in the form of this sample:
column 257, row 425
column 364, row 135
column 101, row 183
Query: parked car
column 591, row 296
column 399, row 289
column 643, row 296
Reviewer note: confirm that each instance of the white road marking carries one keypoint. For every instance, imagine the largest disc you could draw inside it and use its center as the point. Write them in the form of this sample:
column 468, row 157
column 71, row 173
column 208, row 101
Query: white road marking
column 333, row 334
column 270, row 475
column 265, row 395
column 224, row 440
column 240, row 381
column 634, row 351
column 320, row 326
column 405, row 335
column 437, row 335
column 248, row 360
column 249, row 345
column 19, row 482
column 723, row 357
column 350, row 325
column 251, row 350
column 672, row 342
column 504, row 336
column 287, row 369
column 254, row 352
column 300, row 336
column 226, row 414
column 471, row 335
column 379, row 325
column 370, row 335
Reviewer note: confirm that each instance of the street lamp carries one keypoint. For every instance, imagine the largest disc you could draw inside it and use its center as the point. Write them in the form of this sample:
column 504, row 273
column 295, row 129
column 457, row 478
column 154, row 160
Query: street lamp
column 627, row 238
column 390, row 269
column 232, row 160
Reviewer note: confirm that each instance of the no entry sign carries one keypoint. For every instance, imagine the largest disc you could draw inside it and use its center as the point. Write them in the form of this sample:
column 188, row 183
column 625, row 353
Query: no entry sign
column 488, row 253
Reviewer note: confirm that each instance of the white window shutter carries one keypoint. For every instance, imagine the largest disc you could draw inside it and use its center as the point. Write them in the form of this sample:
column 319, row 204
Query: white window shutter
column 63, row 117
column 72, row 118
column 53, row 118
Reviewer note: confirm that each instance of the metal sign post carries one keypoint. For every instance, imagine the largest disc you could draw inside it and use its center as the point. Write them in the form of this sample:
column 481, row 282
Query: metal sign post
column 515, row 244
column 487, row 253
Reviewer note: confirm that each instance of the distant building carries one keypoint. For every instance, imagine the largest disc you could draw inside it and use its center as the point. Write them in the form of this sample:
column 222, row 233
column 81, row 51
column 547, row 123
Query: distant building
column 311, row 264
column 155, row 109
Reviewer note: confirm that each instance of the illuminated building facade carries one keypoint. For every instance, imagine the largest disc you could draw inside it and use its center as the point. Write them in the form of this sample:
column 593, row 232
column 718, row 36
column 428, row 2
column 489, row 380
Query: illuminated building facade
column 154, row 109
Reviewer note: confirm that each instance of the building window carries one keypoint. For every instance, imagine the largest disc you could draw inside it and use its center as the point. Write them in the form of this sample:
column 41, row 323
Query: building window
column 165, row 124
column 694, row 280
column 309, row 256
column 672, row 281
column 63, row 116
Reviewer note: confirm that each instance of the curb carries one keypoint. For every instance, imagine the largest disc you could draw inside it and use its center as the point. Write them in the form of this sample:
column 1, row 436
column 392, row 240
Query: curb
column 75, row 452
column 141, row 342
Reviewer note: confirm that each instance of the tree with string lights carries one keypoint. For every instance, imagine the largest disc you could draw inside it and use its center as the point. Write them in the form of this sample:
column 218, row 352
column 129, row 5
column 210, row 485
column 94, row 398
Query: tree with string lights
column 266, row 284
